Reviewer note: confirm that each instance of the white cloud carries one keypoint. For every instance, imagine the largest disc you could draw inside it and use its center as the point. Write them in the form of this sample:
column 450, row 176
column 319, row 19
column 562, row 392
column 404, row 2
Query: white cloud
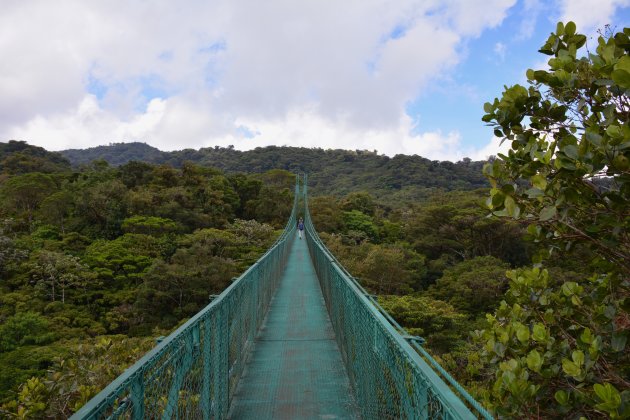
column 88, row 125
column 591, row 15
column 160, row 125
column 189, row 74
column 531, row 10
column 471, row 17
column 493, row 148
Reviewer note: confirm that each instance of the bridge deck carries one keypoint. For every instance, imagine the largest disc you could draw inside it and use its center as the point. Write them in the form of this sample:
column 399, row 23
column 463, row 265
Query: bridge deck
column 295, row 370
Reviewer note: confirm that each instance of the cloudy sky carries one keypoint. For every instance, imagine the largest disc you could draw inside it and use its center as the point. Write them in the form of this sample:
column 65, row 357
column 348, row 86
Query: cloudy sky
column 400, row 76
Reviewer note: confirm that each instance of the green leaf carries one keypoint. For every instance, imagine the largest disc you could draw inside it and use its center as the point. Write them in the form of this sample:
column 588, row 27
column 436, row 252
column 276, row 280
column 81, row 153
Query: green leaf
column 499, row 349
column 569, row 28
column 578, row 357
column 530, row 74
column 539, row 182
column 534, row 192
column 570, row 288
column 593, row 137
column 539, row 332
column 534, row 361
column 498, row 198
column 522, row 333
column 614, row 131
column 562, row 397
column 610, row 397
column 570, row 368
column 623, row 64
column 586, row 336
column 561, row 163
column 622, row 78
column 618, row 342
column 571, row 151
column 604, row 392
column 547, row 213
column 510, row 206
column 560, row 28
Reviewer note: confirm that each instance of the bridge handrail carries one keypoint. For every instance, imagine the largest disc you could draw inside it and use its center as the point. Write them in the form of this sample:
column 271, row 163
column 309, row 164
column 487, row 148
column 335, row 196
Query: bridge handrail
column 445, row 402
column 193, row 372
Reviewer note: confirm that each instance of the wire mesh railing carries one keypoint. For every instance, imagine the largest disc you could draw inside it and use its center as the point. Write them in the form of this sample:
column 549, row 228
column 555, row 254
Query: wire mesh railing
column 193, row 373
column 390, row 379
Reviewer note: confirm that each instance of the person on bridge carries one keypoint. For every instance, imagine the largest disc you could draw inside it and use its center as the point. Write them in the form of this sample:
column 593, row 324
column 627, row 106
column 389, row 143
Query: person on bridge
column 300, row 227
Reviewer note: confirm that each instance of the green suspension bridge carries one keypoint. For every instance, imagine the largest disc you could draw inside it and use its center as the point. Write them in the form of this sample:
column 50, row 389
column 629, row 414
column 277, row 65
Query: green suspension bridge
column 294, row 337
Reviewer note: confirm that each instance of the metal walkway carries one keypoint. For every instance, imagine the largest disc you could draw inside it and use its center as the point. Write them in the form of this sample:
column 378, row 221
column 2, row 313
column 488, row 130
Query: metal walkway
column 294, row 337
column 295, row 370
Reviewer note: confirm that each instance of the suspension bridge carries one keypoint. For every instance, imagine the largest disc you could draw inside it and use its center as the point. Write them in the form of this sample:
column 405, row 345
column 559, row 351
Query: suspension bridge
column 294, row 337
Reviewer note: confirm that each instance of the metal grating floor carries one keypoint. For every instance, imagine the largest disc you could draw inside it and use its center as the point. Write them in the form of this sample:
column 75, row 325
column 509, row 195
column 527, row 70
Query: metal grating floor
column 295, row 370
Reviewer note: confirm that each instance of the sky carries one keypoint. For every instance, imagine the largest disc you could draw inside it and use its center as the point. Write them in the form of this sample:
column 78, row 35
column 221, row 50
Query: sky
column 399, row 77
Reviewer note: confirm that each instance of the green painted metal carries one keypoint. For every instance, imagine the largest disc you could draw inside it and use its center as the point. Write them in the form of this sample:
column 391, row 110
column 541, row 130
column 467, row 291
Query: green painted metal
column 195, row 371
column 295, row 370
column 390, row 372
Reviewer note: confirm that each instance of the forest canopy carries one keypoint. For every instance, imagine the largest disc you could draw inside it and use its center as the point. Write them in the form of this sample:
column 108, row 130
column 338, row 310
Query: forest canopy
column 516, row 276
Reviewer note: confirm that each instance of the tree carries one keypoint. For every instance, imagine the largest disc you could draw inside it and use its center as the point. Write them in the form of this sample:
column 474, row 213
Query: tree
column 326, row 213
column 454, row 226
column 434, row 320
column 71, row 381
column 9, row 253
column 559, row 348
column 56, row 207
column 355, row 220
column 361, row 201
column 273, row 206
column 383, row 271
column 24, row 328
column 258, row 234
column 203, row 265
column 56, row 273
column 25, row 192
column 218, row 199
column 247, row 188
column 17, row 157
column 149, row 225
column 103, row 206
column 473, row 286
column 134, row 174
column 279, row 179
column 122, row 262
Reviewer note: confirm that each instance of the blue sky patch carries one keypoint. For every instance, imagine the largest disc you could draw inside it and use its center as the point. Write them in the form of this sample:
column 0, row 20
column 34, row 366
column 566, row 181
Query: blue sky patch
column 246, row 132
column 96, row 87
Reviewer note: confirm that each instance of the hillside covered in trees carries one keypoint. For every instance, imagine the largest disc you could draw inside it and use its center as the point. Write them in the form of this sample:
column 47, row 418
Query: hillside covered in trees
column 520, row 287
column 332, row 172
column 96, row 263
column 98, row 260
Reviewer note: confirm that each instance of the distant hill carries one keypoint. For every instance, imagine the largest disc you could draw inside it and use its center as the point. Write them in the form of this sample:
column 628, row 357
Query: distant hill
column 116, row 154
column 334, row 172
column 18, row 157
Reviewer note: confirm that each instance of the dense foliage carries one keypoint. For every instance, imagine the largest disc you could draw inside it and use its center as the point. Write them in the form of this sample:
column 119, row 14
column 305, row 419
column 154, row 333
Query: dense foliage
column 331, row 172
column 96, row 263
column 17, row 158
column 528, row 306
column 436, row 266
column 557, row 346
